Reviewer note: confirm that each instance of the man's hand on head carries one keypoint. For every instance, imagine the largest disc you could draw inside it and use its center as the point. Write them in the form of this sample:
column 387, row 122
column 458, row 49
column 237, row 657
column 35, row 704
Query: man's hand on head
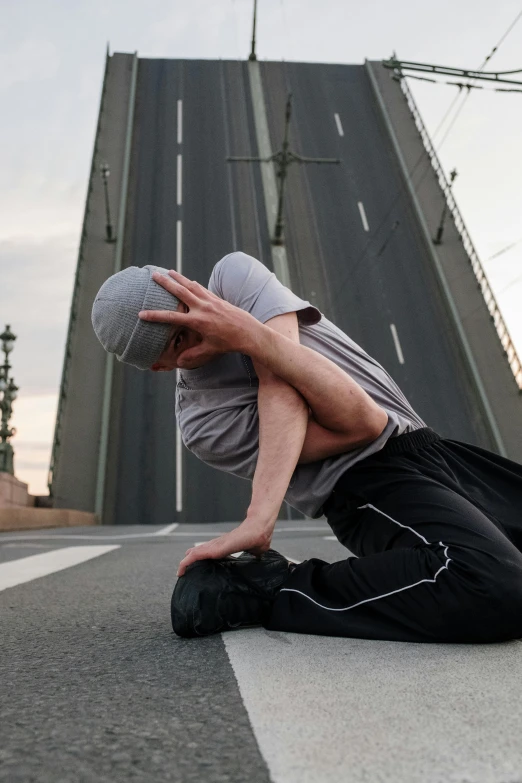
column 223, row 326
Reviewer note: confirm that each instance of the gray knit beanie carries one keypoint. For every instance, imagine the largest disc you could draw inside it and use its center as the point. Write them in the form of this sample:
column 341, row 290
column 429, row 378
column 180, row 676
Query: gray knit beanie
column 115, row 315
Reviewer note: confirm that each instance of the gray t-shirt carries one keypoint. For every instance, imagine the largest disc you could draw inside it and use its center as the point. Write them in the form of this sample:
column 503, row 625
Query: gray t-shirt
column 216, row 405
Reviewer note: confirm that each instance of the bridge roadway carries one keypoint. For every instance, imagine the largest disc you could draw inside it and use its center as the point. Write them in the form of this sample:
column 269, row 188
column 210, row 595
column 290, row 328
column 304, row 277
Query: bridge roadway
column 339, row 217
column 97, row 689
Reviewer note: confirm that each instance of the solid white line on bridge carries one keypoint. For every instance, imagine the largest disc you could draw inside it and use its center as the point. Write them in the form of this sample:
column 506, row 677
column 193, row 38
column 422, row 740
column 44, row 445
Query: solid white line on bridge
column 16, row 572
column 180, row 119
column 338, row 123
column 179, row 180
column 397, row 343
column 178, row 247
column 179, row 464
column 363, row 216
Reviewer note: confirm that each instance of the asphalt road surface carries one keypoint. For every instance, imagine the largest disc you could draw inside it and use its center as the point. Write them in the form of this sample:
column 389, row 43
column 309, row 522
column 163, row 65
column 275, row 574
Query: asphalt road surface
column 97, row 689
column 353, row 243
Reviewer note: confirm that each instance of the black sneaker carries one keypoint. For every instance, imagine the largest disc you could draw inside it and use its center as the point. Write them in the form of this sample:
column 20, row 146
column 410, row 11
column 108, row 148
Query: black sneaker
column 218, row 595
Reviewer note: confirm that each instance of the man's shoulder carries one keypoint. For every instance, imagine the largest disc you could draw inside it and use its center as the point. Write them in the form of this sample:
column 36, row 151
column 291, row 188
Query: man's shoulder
column 231, row 272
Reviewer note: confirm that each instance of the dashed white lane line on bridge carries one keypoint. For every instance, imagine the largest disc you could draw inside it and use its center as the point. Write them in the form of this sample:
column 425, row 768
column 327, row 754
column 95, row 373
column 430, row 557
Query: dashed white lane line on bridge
column 363, row 216
column 16, row 572
column 339, row 125
column 180, row 120
column 397, row 343
column 179, row 188
column 178, row 246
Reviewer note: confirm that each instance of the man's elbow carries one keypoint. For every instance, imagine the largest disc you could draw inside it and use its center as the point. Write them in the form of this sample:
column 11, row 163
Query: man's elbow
column 377, row 423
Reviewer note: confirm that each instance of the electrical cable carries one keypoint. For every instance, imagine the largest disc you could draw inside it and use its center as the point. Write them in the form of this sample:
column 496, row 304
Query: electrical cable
column 504, row 250
column 409, row 176
column 466, row 96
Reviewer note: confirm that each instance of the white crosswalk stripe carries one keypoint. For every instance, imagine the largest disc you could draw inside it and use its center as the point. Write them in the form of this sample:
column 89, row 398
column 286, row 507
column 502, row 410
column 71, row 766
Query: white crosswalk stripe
column 16, row 572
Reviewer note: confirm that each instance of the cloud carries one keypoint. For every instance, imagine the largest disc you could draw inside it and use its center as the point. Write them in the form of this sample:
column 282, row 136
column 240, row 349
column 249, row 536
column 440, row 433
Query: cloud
column 36, row 284
column 30, row 60
column 34, row 419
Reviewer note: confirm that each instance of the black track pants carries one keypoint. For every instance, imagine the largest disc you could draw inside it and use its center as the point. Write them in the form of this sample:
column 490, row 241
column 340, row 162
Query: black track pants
column 436, row 527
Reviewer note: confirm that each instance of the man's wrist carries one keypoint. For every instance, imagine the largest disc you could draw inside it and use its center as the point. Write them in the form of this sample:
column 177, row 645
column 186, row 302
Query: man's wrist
column 250, row 337
column 262, row 516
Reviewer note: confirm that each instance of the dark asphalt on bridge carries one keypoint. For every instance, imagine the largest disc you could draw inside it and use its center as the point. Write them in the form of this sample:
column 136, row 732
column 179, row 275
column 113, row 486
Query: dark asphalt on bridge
column 338, row 219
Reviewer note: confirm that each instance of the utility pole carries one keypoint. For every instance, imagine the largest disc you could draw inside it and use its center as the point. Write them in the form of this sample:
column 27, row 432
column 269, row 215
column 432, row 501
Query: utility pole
column 438, row 237
column 105, row 173
column 283, row 159
column 253, row 50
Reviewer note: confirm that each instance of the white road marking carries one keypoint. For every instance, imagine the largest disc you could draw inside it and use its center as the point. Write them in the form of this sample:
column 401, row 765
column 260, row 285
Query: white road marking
column 179, row 467
column 124, row 536
column 165, row 531
column 338, row 123
column 301, row 529
column 85, row 537
column 179, row 443
column 16, row 572
column 330, row 538
column 363, row 216
column 178, row 247
column 179, row 180
column 180, row 120
column 397, row 343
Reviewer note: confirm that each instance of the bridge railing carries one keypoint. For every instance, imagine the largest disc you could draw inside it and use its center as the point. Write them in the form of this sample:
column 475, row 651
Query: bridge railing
column 482, row 281
column 62, row 397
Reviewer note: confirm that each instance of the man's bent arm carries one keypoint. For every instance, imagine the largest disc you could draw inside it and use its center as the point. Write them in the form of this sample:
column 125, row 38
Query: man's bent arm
column 283, row 420
column 335, row 398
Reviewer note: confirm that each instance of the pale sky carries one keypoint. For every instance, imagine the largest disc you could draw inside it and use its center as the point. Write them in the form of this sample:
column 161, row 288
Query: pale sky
column 51, row 64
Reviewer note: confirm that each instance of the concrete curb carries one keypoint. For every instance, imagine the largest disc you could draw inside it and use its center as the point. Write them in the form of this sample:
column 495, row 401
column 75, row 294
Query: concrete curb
column 24, row 518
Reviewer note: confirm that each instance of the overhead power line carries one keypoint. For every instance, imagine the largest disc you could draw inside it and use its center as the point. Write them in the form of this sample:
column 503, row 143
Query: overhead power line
column 427, row 164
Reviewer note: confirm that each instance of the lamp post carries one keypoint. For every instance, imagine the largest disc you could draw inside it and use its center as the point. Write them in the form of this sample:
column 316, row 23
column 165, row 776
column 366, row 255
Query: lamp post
column 105, row 174
column 438, row 236
column 8, row 391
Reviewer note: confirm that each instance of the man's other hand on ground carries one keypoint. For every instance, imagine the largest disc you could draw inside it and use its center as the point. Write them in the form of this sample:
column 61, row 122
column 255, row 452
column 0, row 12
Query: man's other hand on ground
column 252, row 535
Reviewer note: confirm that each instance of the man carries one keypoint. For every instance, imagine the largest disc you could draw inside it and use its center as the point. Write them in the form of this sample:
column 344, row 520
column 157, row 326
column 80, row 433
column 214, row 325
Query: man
column 272, row 391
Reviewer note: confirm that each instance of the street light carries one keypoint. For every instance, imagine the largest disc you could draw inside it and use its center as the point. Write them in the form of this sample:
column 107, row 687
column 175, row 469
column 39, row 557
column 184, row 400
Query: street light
column 438, row 237
column 8, row 392
column 7, row 339
column 105, row 174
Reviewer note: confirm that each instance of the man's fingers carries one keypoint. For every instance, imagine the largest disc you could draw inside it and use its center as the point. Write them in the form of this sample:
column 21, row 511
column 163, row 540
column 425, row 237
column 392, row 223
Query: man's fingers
column 192, row 285
column 166, row 317
column 177, row 289
column 191, row 557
